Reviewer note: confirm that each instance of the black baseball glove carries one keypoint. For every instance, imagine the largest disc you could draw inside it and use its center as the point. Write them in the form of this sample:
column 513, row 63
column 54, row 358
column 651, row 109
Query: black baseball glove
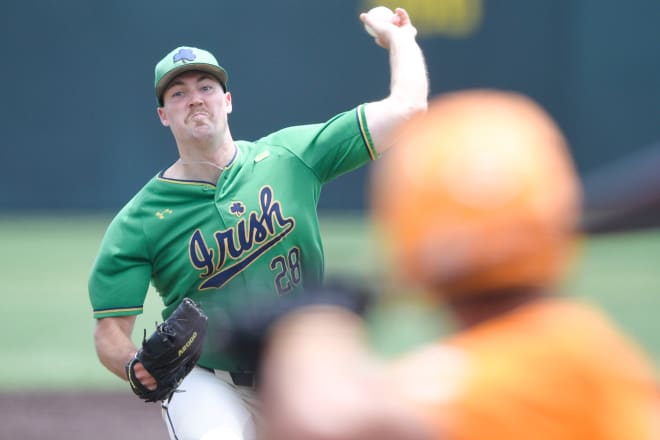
column 170, row 352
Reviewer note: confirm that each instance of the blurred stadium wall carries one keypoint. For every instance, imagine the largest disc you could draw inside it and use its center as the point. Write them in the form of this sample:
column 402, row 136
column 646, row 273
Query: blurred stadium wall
column 79, row 124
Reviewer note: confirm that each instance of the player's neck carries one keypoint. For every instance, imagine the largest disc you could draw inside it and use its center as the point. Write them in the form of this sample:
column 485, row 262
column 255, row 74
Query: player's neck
column 471, row 311
column 203, row 166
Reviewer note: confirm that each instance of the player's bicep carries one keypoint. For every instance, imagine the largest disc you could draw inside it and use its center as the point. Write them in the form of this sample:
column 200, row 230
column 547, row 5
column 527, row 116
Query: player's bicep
column 119, row 282
column 121, row 273
column 383, row 117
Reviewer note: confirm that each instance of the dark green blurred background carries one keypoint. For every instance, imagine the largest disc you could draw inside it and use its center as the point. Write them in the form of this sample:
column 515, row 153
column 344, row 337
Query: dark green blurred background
column 79, row 126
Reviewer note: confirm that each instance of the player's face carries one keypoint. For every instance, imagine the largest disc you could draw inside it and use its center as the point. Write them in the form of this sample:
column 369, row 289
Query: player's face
column 195, row 107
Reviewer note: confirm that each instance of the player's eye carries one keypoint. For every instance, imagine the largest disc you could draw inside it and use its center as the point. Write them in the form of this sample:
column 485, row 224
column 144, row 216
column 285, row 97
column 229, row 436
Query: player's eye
column 176, row 94
column 206, row 88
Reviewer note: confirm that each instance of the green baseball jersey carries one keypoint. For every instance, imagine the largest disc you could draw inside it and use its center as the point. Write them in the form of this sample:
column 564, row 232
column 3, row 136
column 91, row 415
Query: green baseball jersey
column 255, row 232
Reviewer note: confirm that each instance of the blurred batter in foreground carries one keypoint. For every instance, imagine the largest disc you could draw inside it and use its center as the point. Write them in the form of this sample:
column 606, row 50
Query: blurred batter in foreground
column 480, row 202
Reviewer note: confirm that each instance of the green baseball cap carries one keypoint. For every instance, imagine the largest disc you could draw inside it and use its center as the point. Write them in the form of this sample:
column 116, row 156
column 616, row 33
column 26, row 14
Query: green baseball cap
column 183, row 59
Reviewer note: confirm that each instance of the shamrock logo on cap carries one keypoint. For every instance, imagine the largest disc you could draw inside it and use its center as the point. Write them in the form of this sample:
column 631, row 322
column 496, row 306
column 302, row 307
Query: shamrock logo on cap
column 184, row 54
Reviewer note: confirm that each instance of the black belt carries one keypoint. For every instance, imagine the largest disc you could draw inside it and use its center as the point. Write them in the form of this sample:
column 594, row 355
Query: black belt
column 240, row 379
column 243, row 379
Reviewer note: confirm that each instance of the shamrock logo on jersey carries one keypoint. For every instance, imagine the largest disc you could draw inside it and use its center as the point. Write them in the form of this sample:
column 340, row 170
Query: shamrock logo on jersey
column 237, row 208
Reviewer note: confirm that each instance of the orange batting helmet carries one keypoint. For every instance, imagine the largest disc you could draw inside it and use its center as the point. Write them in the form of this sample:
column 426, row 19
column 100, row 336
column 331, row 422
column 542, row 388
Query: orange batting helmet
column 479, row 194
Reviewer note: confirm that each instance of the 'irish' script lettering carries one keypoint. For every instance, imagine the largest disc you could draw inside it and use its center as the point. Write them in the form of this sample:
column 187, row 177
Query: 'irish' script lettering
column 242, row 244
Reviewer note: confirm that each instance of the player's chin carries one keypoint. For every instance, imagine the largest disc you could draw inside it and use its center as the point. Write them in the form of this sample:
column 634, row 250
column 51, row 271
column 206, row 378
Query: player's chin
column 202, row 130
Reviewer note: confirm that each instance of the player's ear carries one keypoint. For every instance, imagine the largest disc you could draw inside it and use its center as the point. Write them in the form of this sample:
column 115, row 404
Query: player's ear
column 163, row 117
column 228, row 104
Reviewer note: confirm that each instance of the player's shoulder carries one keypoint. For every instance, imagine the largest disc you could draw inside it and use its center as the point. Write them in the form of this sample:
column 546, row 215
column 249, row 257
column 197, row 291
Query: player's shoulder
column 150, row 190
column 310, row 130
column 135, row 205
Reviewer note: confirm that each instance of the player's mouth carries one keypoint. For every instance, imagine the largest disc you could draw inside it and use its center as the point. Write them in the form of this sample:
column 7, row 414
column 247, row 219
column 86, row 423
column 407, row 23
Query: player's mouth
column 198, row 115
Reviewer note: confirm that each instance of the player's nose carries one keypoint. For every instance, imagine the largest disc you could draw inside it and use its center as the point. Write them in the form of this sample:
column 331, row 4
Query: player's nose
column 195, row 98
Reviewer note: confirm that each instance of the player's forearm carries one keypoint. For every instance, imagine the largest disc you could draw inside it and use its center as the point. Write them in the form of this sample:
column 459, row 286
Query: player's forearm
column 310, row 363
column 409, row 84
column 318, row 370
column 113, row 343
column 408, row 92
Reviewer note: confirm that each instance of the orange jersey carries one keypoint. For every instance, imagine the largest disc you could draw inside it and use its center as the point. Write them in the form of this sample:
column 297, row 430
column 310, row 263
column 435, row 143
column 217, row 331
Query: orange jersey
column 552, row 370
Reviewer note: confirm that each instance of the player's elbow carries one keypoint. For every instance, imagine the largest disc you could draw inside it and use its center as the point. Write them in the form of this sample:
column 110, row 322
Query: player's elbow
column 416, row 107
column 407, row 105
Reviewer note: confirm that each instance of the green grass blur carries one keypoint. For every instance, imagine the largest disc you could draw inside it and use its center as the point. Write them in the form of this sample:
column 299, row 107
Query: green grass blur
column 48, row 324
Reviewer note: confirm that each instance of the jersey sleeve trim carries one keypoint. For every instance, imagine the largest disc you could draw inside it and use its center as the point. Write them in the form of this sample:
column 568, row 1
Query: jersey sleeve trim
column 364, row 131
column 119, row 311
